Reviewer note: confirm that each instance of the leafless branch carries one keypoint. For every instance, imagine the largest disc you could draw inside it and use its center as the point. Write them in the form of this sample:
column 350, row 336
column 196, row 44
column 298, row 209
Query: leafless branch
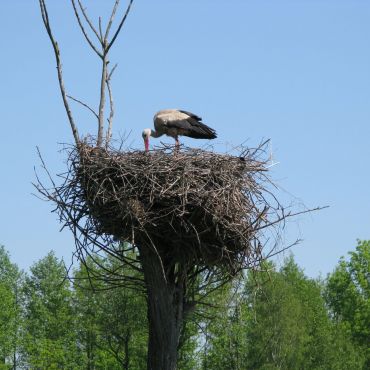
column 83, row 28
column 111, row 104
column 45, row 18
column 102, row 100
column 83, row 10
column 100, row 29
column 84, row 104
column 111, row 20
column 120, row 26
column 104, row 77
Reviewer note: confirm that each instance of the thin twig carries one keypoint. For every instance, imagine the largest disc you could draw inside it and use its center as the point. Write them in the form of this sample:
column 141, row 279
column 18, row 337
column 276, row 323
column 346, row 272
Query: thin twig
column 111, row 105
column 84, row 31
column 105, row 62
column 111, row 20
column 120, row 26
column 83, row 10
column 100, row 29
column 84, row 104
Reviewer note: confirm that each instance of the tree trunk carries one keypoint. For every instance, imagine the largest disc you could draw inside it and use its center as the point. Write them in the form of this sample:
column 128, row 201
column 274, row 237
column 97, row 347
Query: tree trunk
column 126, row 364
column 165, row 311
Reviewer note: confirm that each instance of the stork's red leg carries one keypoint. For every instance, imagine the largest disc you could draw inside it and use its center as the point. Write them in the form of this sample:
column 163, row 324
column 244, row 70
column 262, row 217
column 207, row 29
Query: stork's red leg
column 177, row 145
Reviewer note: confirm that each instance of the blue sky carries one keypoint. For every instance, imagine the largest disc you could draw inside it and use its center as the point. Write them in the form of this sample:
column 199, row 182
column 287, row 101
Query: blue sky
column 297, row 72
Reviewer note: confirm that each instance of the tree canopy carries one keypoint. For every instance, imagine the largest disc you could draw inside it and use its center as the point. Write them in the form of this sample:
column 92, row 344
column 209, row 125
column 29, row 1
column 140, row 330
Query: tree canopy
column 277, row 318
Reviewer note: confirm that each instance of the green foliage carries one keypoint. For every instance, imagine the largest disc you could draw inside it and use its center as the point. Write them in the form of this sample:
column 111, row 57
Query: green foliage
column 278, row 342
column 225, row 329
column 112, row 325
column 49, row 336
column 187, row 356
column 348, row 296
column 10, row 309
column 6, row 311
column 278, row 321
column 275, row 319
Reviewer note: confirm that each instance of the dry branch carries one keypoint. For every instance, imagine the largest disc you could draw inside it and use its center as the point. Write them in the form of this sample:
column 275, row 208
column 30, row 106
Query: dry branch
column 111, row 106
column 89, row 41
column 45, row 18
column 102, row 52
column 84, row 105
column 120, row 25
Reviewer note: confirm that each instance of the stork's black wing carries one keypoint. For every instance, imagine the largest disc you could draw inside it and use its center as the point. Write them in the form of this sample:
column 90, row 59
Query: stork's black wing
column 192, row 115
column 192, row 127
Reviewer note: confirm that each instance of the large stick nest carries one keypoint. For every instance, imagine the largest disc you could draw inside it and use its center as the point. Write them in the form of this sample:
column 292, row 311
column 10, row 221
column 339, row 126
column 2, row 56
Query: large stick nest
column 191, row 206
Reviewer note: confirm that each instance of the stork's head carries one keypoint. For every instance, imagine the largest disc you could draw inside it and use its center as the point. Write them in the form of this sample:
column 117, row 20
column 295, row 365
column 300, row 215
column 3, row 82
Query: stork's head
column 146, row 135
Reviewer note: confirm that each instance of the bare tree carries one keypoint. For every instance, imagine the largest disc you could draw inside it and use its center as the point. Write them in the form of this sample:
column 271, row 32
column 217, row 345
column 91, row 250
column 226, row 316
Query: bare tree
column 105, row 42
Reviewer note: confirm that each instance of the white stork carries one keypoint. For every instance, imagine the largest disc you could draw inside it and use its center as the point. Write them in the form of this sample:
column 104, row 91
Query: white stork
column 174, row 122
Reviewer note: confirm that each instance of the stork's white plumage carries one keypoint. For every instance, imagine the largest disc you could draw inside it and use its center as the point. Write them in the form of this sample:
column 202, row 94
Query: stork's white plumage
column 175, row 123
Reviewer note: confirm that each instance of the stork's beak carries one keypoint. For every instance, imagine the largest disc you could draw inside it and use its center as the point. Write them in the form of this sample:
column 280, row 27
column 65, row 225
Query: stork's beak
column 146, row 142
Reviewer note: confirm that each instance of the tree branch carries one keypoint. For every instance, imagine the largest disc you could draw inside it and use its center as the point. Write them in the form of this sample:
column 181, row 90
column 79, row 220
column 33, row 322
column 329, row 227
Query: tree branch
column 111, row 104
column 120, row 26
column 83, row 10
column 100, row 30
column 103, row 54
column 111, row 20
column 84, row 104
column 102, row 101
column 83, row 29
column 45, row 18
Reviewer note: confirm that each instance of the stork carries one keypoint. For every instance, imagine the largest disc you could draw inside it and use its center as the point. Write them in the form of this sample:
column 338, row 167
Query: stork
column 175, row 123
